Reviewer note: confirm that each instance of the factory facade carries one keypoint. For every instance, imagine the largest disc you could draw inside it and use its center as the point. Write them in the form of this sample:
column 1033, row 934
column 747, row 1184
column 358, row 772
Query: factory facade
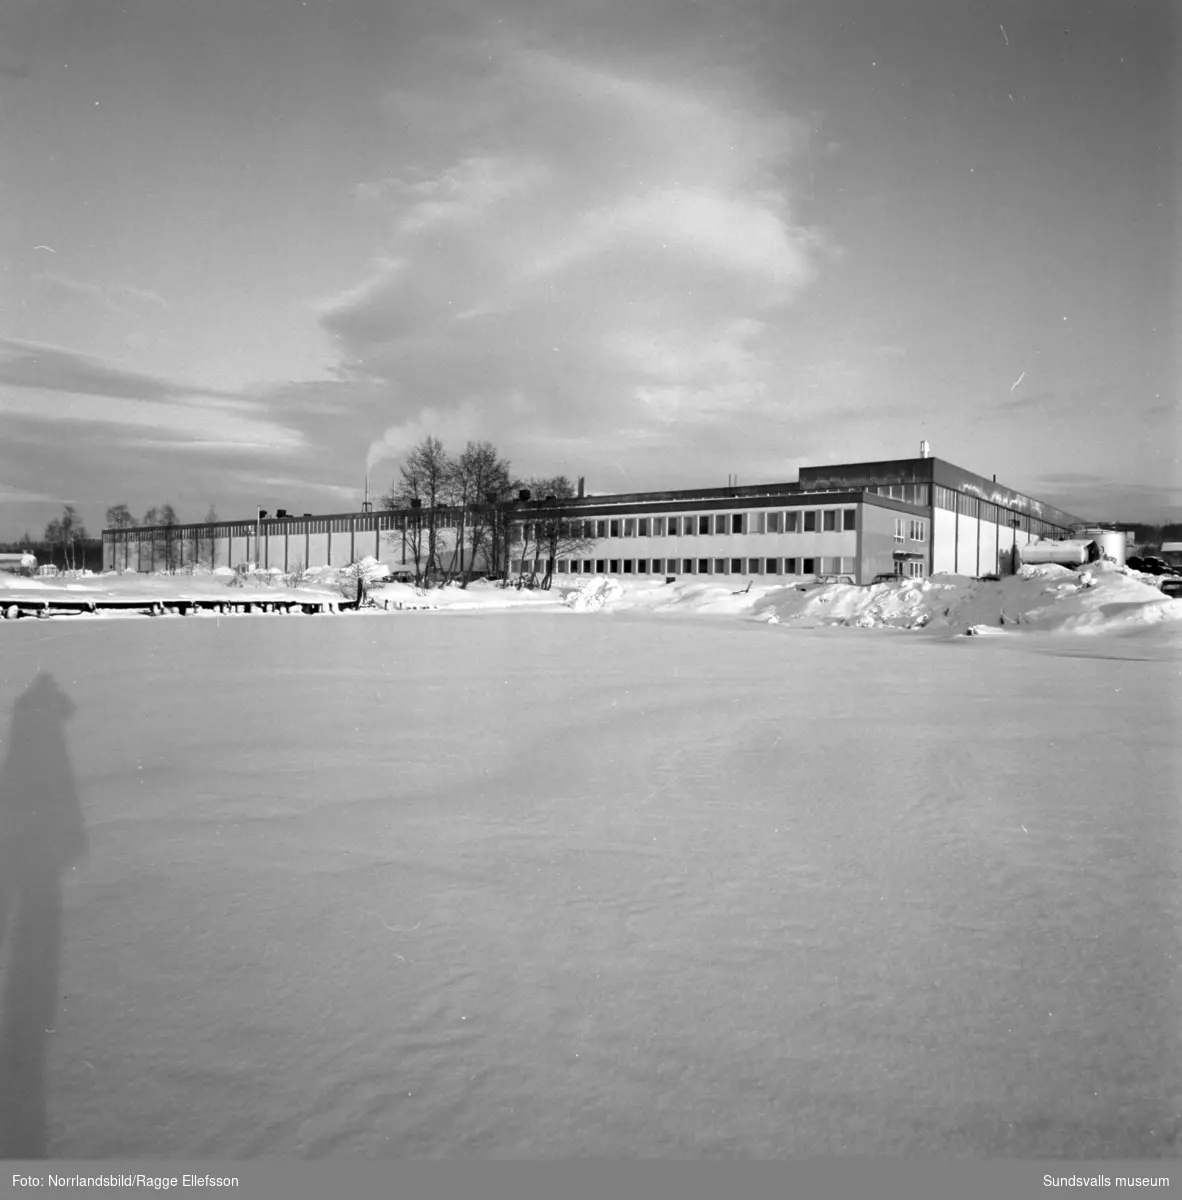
column 909, row 517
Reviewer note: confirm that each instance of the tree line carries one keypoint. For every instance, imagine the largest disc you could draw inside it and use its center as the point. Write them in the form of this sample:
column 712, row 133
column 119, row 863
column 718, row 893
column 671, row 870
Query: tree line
column 198, row 549
column 466, row 495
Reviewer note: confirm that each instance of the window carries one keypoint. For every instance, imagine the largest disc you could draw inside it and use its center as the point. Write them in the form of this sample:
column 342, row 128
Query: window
column 659, row 566
column 720, row 523
column 658, row 526
column 736, row 566
column 588, row 566
column 916, row 531
column 915, row 569
column 755, row 566
column 601, row 566
column 629, row 526
column 703, row 566
column 829, row 520
column 775, row 566
column 687, row 566
column 642, row 527
column 792, row 522
column 703, row 525
column 775, row 522
column 849, row 518
column 720, row 566
column 808, row 566
column 628, row 565
column 563, row 566
column 614, row 529
column 515, row 566
column 757, row 522
column 847, row 565
column 791, row 566
column 689, row 526
column 614, row 566
column 601, row 529
column 810, row 521
column 642, row 566
column 898, row 529
column 738, row 522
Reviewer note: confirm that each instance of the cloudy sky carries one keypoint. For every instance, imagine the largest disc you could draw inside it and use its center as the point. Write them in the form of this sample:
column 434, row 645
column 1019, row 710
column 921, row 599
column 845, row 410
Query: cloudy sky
column 247, row 246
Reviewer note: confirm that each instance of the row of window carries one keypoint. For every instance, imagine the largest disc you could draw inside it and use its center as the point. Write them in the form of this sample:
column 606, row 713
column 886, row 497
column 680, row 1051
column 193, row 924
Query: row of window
column 910, row 493
column 909, row 529
column 973, row 506
column 821, row 565
column 793, row 520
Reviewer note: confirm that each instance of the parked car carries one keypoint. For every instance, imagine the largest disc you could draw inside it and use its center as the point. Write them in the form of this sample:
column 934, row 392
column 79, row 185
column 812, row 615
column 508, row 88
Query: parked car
column 834, row 579
column 1172, row 587
column 1159, row 566
column 1135, row 562
column 887, row 577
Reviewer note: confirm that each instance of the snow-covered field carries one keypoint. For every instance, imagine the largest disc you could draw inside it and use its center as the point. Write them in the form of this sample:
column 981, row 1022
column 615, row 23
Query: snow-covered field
column 591, row 880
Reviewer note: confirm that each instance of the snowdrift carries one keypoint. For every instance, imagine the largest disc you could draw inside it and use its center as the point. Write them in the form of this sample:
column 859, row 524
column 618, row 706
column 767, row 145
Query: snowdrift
column 1102, row 598
column 1046, row 597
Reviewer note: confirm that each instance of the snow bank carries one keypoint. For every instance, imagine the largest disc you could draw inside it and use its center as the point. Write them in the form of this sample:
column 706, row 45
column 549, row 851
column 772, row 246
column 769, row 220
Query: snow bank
column 1103, row 598
column 1046, row 597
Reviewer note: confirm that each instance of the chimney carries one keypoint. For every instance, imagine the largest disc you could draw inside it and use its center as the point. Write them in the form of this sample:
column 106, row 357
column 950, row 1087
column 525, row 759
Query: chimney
column 925, row 449
column 582, row 487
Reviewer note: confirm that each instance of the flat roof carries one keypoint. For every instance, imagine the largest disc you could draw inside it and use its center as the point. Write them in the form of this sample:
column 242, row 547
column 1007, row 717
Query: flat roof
column 839, row 479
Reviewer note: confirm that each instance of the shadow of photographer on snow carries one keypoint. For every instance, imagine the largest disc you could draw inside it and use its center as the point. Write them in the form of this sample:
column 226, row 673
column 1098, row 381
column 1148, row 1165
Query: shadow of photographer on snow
column 42, row 834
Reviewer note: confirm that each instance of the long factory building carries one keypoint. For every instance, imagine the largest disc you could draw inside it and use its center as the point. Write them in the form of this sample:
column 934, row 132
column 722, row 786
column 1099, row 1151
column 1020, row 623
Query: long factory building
column 911, row 516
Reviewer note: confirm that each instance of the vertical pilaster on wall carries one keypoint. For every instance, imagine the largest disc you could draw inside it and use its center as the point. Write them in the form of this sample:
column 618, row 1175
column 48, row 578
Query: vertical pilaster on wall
column 352, row 539
column 932, row 529
column 286, row 535
column 377, row 538
column 328, row 561
column 956, row 539
column 860, row 518
column 307, row 544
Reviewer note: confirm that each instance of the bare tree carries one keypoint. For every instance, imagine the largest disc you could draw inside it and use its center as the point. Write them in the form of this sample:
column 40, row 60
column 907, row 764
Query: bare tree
column 426, row 482
column 152, row 520
column 119, row 517
column 168, row 519
column 552, row 536
column 207, row 538
column 481, row 484
column 65, row 533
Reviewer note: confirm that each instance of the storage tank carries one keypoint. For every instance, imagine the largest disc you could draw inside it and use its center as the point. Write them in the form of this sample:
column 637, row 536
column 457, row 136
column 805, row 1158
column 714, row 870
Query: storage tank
column 18, row 562
column 1113, row 543
column 1073, row 553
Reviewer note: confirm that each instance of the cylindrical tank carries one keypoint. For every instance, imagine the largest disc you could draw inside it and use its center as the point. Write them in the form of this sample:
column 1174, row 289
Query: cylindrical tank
column 1067, row 554
column 1112, row 542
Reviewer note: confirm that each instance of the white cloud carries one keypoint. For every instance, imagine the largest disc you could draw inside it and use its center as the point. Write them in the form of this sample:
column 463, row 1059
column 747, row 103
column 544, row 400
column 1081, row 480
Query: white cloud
column 189, row 427
column 614, row 254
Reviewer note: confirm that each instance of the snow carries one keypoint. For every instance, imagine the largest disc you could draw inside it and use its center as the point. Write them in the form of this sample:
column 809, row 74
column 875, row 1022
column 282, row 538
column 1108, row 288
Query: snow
column 1104, row 598
column 1046, row 597
column 536, row 884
